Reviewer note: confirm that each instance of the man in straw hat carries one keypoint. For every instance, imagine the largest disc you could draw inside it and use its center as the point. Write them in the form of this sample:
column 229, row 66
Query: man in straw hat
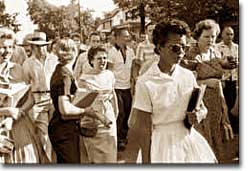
column 37, row 74
column 26, row 45
column 22, row 50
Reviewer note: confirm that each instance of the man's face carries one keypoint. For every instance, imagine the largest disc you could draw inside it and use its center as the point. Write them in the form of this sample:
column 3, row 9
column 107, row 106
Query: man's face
column 111, row 38
column 95, row 40
column 150, row 30
column 40, row 51
column 77, row 41
column 6, row 49
column 28, row 50
column 228, row 35
column 123, row 38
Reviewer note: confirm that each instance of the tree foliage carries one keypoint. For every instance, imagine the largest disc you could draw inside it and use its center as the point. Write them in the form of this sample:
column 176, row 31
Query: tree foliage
column 190, row 11
column 61, row 20
column 5, row 18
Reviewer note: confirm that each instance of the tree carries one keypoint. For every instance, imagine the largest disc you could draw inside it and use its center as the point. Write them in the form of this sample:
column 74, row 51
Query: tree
column 55, row 20
column 7, row 19
column 190, row 11
column 135, row 8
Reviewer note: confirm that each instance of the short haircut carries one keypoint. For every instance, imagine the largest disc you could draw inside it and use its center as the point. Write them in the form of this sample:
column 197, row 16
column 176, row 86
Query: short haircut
column 118, row 31
column 94, row 34
column 164, row 28
column 227, row 27
column 205, row 25
column 65, row 46
column 93, row 51
column 75, row 35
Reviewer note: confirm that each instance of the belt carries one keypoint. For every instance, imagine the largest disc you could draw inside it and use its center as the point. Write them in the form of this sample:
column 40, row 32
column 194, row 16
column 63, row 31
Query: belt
column 38, row 92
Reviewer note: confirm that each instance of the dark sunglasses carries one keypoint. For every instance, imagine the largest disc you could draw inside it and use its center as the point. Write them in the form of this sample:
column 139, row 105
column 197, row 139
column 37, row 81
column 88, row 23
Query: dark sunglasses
column 176, row 48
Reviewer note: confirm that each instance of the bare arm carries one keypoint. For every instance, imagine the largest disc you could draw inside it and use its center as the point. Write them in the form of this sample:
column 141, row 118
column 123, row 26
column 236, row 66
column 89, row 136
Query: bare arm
column 68, row 110
column 142, row 129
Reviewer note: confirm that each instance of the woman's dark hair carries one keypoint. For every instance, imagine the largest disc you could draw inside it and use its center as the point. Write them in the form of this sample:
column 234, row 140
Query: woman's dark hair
column 93, row 51
column 205, row 25
column 163, row 29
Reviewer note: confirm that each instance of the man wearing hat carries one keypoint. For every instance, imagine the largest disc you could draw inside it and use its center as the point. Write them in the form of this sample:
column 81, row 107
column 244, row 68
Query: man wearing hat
column 21, row 51
column 26, row 45
column 37, row 74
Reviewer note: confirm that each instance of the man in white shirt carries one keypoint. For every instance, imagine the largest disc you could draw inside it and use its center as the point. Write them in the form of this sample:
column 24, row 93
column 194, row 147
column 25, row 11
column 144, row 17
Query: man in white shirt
column 145, row 55
column 82, row 64
column 229, row 51
column 37, row 72
column 120, row 57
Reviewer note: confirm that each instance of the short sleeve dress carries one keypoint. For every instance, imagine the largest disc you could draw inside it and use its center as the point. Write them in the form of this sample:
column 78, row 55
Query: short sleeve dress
column 64, row 134
column 167, row 97
column 102, row 147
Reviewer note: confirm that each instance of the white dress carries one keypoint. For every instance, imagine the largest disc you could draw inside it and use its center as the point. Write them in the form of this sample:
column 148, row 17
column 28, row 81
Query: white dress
column 103, row 147
column 166, row 97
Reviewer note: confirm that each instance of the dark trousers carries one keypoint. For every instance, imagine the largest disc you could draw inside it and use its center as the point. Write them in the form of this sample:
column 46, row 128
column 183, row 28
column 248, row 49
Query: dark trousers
column 230, row 97
column 124, row 104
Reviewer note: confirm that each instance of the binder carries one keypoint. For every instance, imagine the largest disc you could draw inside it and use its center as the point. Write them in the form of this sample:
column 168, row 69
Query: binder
column 86, row 100
column 196, row 97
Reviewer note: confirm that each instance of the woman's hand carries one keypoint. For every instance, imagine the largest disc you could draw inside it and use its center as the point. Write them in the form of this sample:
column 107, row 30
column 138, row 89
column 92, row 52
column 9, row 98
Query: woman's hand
column 229, row 63
column 191, row 117
column 6, row 145
column 90, row 112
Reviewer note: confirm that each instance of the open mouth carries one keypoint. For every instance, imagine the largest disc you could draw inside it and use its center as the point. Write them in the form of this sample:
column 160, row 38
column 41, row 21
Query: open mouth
column 102, row 65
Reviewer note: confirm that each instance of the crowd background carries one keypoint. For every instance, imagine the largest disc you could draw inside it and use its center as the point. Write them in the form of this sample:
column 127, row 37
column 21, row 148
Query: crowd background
column 122, row 39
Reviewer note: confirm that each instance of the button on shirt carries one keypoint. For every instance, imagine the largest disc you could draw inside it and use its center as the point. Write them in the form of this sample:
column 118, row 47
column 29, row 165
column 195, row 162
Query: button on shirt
column 165, row 96
column 34, row 74
column 121, row 68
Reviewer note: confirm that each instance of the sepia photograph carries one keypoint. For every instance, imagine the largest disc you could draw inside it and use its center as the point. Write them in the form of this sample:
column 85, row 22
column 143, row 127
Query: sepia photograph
column 120, row 82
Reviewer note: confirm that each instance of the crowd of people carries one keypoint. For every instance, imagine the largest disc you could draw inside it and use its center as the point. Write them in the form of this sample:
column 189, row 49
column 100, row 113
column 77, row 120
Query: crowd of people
column 86, row 103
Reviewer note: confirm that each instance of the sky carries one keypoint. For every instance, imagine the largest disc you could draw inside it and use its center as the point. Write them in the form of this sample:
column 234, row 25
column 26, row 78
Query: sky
column 20, row 6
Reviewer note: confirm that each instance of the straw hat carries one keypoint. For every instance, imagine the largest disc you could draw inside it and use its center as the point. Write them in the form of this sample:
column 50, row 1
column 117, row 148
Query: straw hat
column 38, row 38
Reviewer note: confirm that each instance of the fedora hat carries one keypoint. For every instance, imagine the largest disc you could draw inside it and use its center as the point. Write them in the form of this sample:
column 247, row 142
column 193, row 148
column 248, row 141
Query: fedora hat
column 38, row 38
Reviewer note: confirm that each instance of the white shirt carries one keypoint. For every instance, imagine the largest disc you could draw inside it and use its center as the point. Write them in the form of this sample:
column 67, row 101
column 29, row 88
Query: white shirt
column 121, row 69
column 166, row 97
column 34, row 74
column 145, row 51
column 50, row 66
column 229, row 51
column 82, row 65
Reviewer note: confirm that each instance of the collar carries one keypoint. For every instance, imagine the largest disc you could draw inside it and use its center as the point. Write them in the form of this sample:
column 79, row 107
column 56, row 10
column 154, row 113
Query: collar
column 118, row 47
column 155, row 71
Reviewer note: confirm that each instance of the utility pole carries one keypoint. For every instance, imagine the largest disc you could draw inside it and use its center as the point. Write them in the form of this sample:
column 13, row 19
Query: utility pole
column 142, row 17
column 80, row 20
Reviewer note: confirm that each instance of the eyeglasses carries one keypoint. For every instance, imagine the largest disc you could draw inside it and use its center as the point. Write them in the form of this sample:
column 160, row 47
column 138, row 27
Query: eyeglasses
column 176, row 48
